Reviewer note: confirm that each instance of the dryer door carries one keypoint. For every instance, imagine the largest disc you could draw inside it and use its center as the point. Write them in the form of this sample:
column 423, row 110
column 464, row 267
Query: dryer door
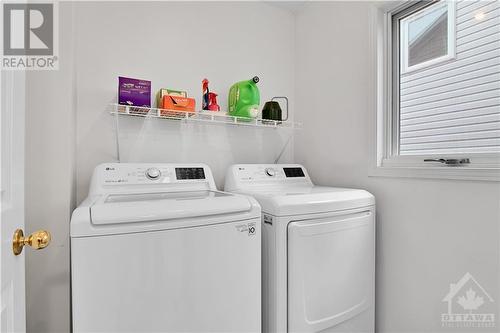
column 330, row 271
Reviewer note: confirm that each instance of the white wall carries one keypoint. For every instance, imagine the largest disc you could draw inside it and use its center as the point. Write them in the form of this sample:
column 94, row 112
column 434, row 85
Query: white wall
column 429, row 232
column 176, row 45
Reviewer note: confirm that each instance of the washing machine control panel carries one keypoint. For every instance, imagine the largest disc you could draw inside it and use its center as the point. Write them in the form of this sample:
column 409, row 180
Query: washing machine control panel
column 267, row 173
column 123, row 174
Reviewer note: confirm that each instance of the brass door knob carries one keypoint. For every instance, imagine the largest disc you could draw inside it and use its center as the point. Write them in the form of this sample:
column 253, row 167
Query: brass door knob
column 38, row 240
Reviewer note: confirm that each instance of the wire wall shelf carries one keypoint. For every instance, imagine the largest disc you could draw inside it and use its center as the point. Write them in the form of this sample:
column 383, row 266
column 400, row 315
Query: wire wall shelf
column 198, row 116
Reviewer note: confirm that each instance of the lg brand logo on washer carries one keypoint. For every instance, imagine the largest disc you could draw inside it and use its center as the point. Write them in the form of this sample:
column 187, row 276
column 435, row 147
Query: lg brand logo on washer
column 249, row 228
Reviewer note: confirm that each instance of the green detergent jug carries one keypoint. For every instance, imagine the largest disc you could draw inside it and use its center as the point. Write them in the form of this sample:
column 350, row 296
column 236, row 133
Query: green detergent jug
column 244, row 99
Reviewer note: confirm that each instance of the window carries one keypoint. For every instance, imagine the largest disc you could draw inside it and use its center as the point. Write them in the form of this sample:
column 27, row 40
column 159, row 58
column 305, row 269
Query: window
column 439, row 69
column 427, row 36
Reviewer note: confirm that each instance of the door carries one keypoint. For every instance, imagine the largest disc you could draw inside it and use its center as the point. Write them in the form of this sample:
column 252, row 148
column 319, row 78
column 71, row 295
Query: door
column 12, row 288
column 331, row 273
column 12, row 315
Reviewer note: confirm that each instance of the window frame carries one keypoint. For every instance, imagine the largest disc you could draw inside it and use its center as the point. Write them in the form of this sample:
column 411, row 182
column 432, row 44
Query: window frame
column 386, row 161
column 451, row 30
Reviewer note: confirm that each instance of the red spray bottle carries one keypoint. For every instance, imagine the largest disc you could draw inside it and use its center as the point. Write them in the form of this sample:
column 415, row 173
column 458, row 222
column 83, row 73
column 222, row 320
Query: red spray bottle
column 209, row 99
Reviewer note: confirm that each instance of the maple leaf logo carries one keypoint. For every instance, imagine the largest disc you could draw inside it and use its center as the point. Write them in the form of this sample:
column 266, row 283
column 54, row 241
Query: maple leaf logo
column 470, row 301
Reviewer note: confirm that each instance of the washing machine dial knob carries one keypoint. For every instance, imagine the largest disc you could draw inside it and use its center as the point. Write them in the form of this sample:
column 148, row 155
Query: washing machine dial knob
column 270, row 172
column 153, row 173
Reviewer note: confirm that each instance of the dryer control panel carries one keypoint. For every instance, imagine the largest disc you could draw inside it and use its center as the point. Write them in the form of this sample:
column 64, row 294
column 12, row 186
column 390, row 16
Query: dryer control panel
column 110, row 176
column 262, row 174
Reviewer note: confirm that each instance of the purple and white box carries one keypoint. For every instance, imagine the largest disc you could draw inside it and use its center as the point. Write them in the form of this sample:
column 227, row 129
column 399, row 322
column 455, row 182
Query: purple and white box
column 134, row 92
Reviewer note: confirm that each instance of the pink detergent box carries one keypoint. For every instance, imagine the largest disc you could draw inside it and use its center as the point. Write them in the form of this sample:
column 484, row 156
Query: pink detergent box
column 134, row 92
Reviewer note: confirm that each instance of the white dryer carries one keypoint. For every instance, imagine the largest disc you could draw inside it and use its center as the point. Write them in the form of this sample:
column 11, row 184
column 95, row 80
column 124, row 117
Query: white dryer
column 318, row 250
column 156, row 248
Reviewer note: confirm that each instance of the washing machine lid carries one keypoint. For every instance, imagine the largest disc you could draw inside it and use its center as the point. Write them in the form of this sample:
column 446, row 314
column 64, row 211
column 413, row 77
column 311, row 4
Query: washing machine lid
column 161, row 206
column 304, row 199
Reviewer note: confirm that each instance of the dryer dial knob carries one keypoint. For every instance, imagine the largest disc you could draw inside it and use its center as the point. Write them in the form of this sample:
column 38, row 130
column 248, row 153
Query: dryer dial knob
column 153, row 173
column 270, row 172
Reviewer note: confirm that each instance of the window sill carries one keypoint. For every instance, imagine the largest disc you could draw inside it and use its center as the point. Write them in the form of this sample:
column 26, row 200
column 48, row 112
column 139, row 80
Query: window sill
column 428, row 64
column 438, row 172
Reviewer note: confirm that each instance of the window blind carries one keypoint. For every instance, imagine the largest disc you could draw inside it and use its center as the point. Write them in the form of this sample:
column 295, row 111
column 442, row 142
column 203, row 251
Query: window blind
column 454, row 106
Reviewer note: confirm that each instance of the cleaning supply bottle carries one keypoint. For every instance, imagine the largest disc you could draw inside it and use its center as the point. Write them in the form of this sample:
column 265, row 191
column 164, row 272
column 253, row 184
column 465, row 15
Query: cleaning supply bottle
column 212, row 102
column 244, row 99
column 205, row 95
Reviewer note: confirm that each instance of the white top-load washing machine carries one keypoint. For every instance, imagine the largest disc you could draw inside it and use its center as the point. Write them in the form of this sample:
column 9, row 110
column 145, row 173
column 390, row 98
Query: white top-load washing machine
column 156, row 248
column 318, row 250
